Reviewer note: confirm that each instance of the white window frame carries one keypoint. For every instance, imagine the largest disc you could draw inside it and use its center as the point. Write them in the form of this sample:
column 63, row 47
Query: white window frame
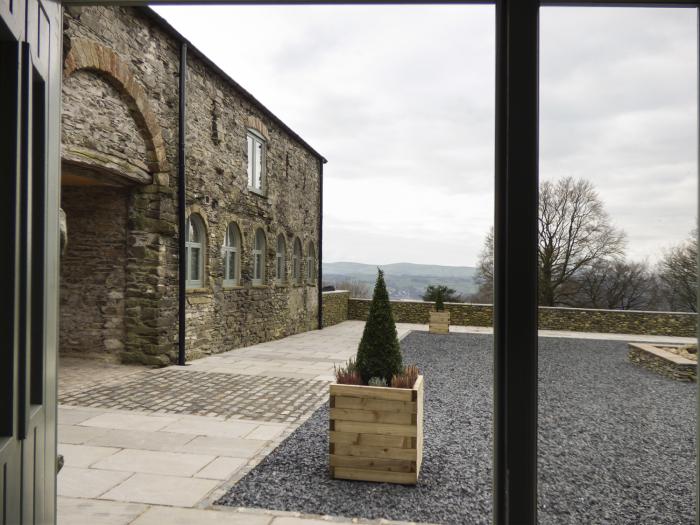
column 281, row 259
column 259, row 258
column 231, row 252
column 296, row 261
column 256, row 181
column 195, row 222
column 310, row 263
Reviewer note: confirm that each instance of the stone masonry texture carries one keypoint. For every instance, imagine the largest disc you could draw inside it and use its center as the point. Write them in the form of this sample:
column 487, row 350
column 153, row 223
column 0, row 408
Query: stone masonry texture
column 335, row 307
column 659, row 365
column 93, row 280
column 119, row 150
column 678, row 324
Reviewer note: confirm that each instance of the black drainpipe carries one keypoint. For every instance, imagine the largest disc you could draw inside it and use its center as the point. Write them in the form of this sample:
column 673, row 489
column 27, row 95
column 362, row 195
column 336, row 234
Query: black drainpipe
column 182, row 206
column 321, row 162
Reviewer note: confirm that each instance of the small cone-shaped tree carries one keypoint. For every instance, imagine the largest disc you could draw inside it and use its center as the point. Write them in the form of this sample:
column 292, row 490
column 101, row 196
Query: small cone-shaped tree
column 379, row 354
column 439, row 301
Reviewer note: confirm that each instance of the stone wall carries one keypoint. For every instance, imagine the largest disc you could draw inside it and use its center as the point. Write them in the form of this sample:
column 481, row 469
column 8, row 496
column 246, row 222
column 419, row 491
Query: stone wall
column 335, row 307
column 93, row 272
column 121, row 68
column 678, row 324
column 662, row 362
column 221, row 317
column 570, row 319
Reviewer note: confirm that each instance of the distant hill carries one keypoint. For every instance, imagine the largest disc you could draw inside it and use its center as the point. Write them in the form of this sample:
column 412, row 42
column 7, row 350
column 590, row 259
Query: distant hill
column 404, row 280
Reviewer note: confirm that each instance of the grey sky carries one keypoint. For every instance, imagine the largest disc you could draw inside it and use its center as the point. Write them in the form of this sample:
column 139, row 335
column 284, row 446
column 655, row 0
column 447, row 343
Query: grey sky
column 401, row 102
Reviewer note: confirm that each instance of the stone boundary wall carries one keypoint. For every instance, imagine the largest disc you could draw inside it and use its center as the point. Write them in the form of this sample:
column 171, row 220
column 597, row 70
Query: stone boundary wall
column 335, row 307
column 664, row 363
column 679, row 324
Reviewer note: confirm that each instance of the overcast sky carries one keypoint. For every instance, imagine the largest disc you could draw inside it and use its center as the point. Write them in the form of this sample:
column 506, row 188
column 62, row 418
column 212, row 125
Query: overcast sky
column 400, row 100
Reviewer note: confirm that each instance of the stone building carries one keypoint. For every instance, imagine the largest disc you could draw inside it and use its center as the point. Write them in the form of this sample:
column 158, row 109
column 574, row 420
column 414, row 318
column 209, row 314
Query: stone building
column 253, row 199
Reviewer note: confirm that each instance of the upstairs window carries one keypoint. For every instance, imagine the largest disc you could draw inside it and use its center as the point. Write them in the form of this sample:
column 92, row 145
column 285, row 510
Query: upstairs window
column 259, row 257
column 296, row 262
column 194, row 251
column 256, row 162
column 280, row 259
column 310, row 264
column 232, row 256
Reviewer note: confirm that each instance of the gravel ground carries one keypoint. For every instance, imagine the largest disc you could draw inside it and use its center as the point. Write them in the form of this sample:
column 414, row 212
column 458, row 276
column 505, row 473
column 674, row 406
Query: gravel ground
column 616, row 443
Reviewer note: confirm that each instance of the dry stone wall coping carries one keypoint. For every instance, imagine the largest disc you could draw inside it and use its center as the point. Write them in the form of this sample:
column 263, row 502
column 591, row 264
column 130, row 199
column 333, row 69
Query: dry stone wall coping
column 677, row 324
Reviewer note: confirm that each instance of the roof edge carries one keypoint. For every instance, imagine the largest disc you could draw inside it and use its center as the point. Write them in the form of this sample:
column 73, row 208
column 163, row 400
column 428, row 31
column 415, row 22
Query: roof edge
column 165, row 25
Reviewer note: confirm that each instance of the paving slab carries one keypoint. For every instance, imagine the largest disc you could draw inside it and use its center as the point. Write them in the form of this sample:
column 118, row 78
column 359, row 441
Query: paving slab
column 221, row 468
column 75, row 416
column 155, row 462
column 137, row 439
column 78, row 511
column 267, row 431
column 83, row 455
column 208, row 427
column 175, row 516
column 162, row 490
column 127, row 421
column 79, row 435
column 218, row 446
column 88, row 482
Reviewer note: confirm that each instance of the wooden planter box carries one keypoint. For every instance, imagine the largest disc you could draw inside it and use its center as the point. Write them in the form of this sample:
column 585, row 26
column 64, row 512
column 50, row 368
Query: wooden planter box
column 376, row 433
column 440, row 322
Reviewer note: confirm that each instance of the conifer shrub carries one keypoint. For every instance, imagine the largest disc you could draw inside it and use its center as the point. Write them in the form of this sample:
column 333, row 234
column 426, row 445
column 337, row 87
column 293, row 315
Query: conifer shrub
column 439, row 300
column 379, row 354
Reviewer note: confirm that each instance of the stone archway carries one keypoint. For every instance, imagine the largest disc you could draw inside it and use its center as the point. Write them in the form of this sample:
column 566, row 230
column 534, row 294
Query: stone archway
column 112, row 151
column 89, row 55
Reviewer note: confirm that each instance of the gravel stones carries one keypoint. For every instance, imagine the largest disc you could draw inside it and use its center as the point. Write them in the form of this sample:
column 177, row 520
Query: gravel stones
column 616, row 443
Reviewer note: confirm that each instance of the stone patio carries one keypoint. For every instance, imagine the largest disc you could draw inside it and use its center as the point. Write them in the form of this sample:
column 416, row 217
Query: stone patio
column 158, row 446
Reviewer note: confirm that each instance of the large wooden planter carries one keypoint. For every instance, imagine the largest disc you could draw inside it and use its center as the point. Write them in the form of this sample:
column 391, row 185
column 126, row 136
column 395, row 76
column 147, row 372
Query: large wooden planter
column 439, row 322
column 376, row 433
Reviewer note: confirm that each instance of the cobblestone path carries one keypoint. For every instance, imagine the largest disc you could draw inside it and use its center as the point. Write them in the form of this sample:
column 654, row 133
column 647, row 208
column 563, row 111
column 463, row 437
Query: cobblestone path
column 176, row 391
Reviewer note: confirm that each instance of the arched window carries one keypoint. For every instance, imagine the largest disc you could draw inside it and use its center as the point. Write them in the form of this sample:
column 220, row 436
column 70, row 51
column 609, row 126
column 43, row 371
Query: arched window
column 296, row 262
column 259, row 257
column 310, row 263
column 232, row 255
column 195, row 244
column 281, row 259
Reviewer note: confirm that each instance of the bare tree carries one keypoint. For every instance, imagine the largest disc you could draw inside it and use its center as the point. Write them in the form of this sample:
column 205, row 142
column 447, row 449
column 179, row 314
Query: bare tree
column 484, row 277
column 574, row 234
column 616, row 285
column 678, row 272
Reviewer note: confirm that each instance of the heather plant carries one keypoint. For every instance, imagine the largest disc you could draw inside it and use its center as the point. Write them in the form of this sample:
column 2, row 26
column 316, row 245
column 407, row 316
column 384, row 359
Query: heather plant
column 348, row 374
column 377, row 381
column 379, row 354
column 406, row 378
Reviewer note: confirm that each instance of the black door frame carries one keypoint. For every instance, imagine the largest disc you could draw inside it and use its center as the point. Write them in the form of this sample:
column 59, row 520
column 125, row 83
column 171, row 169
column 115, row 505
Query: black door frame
column 515, row 274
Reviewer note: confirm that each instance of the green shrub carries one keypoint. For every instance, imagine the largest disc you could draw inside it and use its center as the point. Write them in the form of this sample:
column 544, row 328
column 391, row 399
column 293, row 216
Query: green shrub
column 379, row 354
column 439, row 300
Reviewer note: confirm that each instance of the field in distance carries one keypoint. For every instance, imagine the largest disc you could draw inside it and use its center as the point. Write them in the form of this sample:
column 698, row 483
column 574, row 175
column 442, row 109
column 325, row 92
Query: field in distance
column 404, row 281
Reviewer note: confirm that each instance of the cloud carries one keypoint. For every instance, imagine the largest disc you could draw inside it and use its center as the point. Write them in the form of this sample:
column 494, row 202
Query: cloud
column 400, row 99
